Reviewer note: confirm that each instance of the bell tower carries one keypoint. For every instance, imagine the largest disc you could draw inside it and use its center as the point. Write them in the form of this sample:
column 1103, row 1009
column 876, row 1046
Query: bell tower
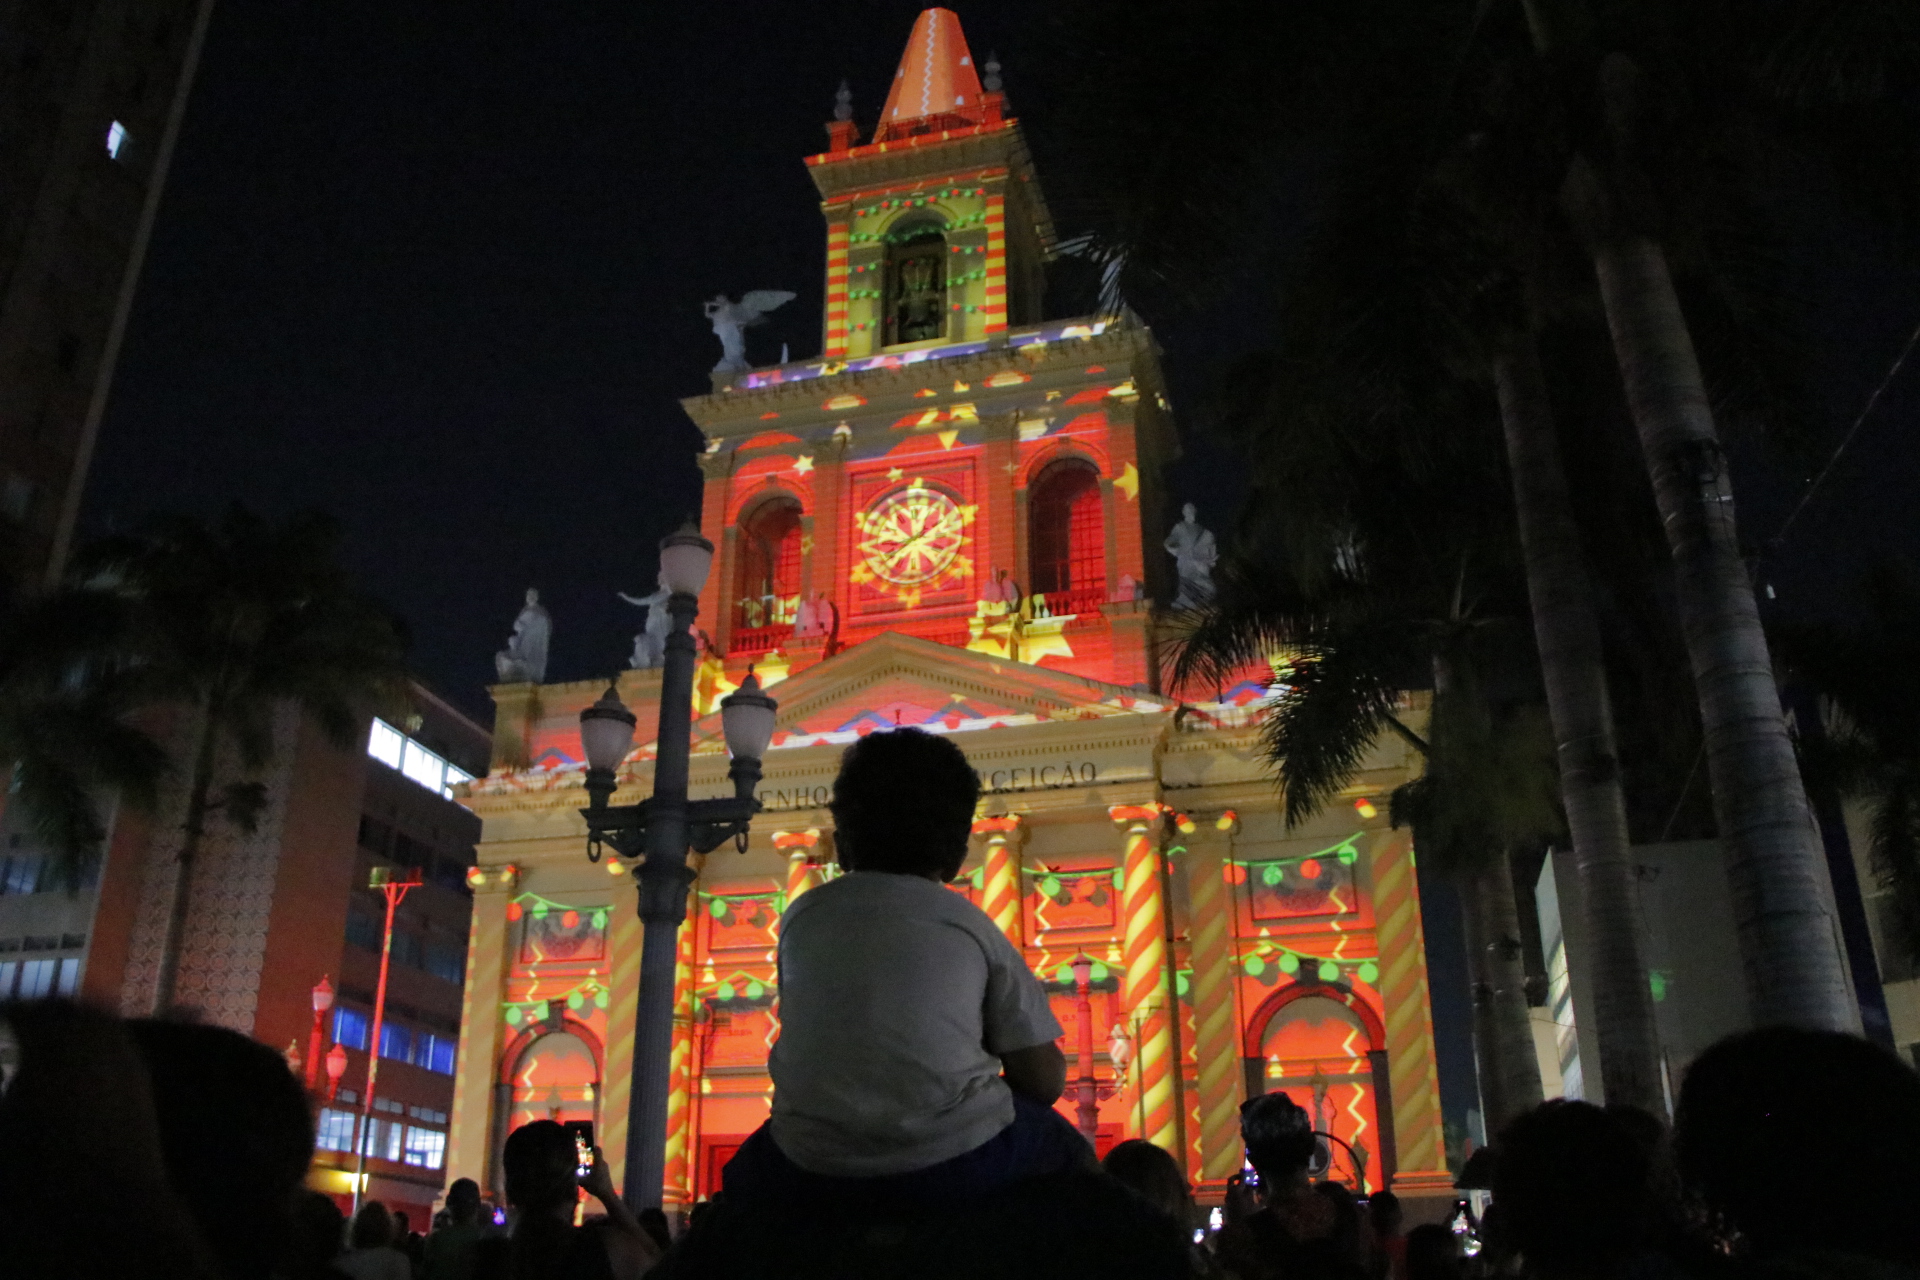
column 936, row 230
column 955, row 465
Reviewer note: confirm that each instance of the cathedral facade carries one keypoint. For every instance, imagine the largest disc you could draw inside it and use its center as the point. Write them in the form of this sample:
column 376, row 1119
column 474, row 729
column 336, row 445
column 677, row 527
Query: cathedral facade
column 953, row 519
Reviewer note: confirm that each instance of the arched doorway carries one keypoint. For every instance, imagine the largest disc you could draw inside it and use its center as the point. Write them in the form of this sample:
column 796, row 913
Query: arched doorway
column 1325, row 1047
column 550, row 1071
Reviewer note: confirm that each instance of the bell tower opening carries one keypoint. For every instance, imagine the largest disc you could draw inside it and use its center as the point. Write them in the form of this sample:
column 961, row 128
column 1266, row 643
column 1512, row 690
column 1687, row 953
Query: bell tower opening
column 916, row 284
column 767, row 584
column 1067, row 543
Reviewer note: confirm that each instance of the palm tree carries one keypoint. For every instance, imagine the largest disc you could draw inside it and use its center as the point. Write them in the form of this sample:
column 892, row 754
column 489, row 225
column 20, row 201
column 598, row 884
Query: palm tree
column 234, row 620
column 66, row 691
column 1377, row 555
column 1625, row 73
column 1868, row 678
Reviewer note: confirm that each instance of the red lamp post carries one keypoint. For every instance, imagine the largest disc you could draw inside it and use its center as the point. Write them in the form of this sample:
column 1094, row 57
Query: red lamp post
column 316, row 1042
column 394, row 890
column 336, row 1068
column 1089, row 1089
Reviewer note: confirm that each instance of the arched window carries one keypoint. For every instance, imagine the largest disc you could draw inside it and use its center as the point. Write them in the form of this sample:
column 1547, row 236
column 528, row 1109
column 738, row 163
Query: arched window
column 916, row 301
column 767, row 584
column 1067, row 545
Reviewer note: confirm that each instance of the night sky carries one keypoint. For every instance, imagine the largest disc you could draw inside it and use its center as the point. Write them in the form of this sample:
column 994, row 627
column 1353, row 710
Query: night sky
column 438, row 269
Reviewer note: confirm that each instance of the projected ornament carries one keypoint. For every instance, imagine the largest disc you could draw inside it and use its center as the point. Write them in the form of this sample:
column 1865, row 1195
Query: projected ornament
column 912, row 535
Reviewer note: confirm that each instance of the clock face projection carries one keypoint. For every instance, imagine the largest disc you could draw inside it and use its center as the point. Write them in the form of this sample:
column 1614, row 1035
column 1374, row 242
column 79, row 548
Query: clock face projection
column 912, row 535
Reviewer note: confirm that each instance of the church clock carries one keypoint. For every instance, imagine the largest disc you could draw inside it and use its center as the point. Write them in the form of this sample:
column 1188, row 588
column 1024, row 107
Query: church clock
column 912, row 535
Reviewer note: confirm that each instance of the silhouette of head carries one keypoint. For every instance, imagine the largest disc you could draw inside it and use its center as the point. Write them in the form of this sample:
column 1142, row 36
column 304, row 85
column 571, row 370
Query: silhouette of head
column 1747, row 1116
column 540, row 1164
column 1278, row 1136
column 463, row 1200
column 1573, row 1186
column 372, row 1226
column 1150, row 1173
column 903, row 802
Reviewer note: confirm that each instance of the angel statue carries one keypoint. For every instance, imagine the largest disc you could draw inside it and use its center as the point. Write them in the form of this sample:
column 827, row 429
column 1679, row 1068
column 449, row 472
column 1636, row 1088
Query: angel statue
column 650, row 645
column 731, row 320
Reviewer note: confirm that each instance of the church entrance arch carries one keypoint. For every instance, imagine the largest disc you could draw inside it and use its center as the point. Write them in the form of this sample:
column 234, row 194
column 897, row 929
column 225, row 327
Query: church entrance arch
column 550, row 1071
column 1325, row 1046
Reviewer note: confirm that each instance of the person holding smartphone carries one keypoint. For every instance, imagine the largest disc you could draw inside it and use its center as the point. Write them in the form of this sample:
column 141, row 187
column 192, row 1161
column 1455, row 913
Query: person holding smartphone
column 1277, row 1227
column 544, row 1176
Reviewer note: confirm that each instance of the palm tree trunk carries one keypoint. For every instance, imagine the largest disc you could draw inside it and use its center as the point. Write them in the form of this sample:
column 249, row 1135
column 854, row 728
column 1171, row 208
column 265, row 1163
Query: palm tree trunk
column 174, row 942
column 1782, row 898
column 1573, row 668
column 1502, row 1029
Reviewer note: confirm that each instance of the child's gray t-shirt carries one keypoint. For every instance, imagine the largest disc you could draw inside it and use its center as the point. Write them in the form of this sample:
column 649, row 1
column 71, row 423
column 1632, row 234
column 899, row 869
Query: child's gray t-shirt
column 896, row 996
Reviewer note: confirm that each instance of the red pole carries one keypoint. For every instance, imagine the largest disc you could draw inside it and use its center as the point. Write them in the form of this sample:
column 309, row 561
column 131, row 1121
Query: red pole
column 1089, row 1105
column 316, row 1043
column 394, row 890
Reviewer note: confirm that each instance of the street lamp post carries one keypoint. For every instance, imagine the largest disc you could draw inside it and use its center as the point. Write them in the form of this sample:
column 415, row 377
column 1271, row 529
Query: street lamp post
column 663, row 828
column 1087, row 1087
column 394, row 890
column 316, row 1042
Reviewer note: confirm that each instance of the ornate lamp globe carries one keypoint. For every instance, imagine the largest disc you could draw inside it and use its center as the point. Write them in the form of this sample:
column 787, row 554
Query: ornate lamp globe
column 746, row 717
column 606, row 732
column 685, row 558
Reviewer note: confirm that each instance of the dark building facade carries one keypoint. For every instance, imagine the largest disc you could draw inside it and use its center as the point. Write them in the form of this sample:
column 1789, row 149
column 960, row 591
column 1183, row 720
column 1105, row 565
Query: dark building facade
column 92, row 93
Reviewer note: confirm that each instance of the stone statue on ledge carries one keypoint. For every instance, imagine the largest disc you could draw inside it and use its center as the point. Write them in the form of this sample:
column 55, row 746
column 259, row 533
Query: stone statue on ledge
column 1194, row 555
column 650, row 645
column 732, row 319
column 524, row 660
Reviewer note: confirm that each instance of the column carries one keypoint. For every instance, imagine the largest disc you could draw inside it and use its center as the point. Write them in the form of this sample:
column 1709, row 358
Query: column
column 1145, row 989
column 1411, row 1072
column 678, row 1175
column 801, row 848
column 1215, row 1018
column 470, row 1135
column 1000, row 875
column 624, row 932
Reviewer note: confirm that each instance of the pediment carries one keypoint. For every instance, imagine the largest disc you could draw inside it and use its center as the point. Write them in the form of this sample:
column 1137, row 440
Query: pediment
column 896, row 680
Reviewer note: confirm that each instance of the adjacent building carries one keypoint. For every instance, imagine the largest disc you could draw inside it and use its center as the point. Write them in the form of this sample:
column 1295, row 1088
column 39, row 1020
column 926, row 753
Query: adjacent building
column 276, row 912
column 954, row 519
column 90, row 105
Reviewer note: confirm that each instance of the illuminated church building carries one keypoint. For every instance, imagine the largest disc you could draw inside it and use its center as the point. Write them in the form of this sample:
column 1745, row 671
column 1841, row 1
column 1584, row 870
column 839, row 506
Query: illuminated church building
column 953, row 519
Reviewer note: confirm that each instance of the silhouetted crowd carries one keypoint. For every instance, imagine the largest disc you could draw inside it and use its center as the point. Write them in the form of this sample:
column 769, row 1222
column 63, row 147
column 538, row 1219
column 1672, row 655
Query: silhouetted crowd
column 143, row 1148
column 913, row 1134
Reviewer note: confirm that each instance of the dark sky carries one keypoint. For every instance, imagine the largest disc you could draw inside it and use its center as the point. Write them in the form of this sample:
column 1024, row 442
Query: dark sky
column 437, row 269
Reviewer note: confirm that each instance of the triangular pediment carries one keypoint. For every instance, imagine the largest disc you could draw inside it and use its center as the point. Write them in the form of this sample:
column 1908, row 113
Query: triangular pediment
column 896, row 680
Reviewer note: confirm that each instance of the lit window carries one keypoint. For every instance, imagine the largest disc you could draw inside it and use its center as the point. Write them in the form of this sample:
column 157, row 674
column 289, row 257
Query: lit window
column 36, row 978
column 384, row 1139
column 426, row 1148
column 69, row 980
column 350, row 1027
column 9, row 970
column 116, row 139
column 384, row 744
column 423, row 766
column 396, row 1042
column 435, row 1053
column 335, row 1131
column 455, row 776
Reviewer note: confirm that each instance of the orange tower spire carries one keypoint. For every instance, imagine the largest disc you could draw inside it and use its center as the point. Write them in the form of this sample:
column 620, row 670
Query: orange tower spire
column 936, row 78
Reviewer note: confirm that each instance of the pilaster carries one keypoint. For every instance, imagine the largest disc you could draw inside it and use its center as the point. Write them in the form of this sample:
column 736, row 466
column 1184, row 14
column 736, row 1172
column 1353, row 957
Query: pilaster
column 1000, row 874
column 624, row 932
column 1209, row 848
column 470, row 1151
column 1412, row 1073
column 1146, row 987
